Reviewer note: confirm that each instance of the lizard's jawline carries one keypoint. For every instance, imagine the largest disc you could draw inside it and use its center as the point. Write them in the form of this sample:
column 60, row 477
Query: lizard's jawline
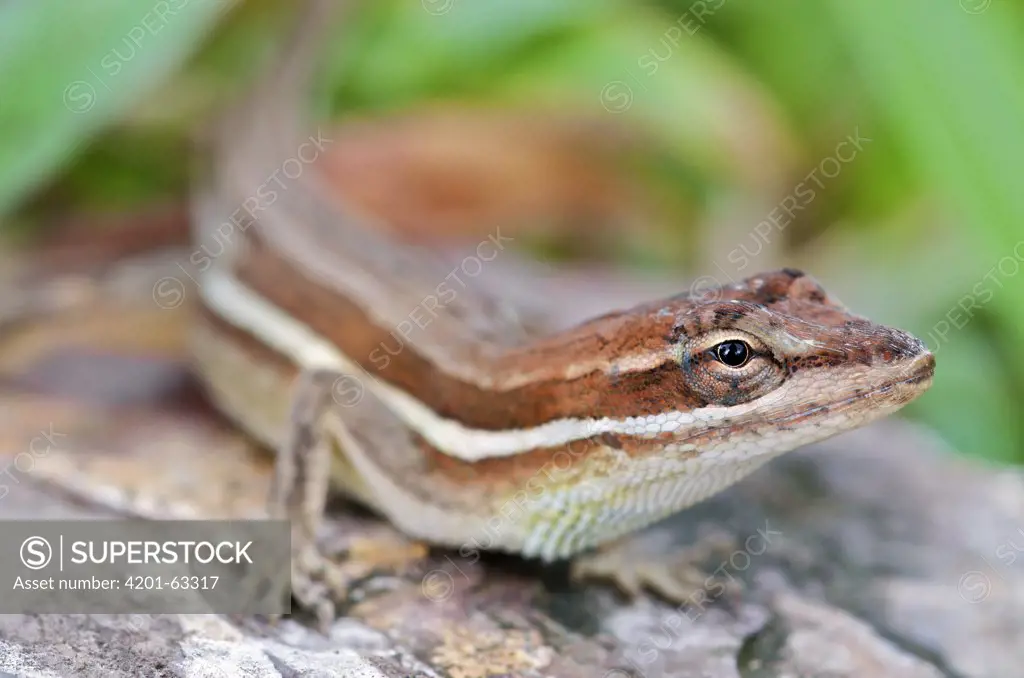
column 685, row 481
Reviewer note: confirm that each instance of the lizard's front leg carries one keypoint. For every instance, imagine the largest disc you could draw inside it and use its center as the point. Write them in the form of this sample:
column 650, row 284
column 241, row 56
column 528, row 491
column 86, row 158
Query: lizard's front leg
column 302, row 480
column 299, row 493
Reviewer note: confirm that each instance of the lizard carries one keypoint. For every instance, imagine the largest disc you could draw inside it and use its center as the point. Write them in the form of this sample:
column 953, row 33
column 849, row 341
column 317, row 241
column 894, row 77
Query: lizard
column 476, row 425
column 379, row 373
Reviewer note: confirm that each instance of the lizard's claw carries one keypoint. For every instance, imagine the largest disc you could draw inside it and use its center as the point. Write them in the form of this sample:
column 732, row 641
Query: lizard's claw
column 320, row 582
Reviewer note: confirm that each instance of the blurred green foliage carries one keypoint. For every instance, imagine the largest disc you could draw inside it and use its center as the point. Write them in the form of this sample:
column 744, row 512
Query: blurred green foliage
column 922, row 228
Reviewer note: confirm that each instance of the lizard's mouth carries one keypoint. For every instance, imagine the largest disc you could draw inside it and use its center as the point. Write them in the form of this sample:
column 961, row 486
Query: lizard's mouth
column 920, row 372
column 884, row 399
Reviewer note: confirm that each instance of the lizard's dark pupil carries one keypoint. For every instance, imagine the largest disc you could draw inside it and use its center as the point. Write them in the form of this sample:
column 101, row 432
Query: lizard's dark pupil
column 733, row 353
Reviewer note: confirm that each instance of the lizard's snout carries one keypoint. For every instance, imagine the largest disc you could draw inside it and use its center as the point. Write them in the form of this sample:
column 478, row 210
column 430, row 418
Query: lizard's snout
column 897, row 346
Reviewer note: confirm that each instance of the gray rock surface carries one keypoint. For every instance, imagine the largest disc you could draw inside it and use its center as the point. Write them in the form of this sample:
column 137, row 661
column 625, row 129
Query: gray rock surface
column 877, row 553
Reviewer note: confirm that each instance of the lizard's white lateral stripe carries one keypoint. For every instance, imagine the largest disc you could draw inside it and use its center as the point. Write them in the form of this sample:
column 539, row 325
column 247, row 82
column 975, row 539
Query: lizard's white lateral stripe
column 243, row 308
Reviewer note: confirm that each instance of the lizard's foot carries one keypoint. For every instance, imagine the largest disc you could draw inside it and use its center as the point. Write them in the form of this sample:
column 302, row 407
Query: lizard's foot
column 321, row 581
column 679, row 576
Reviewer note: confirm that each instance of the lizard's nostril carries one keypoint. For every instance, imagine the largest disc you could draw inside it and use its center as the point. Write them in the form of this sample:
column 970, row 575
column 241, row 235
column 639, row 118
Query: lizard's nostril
column 902, row 346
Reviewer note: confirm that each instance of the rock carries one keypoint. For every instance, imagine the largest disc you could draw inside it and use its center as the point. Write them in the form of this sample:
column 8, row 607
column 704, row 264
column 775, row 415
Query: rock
column 878, row 553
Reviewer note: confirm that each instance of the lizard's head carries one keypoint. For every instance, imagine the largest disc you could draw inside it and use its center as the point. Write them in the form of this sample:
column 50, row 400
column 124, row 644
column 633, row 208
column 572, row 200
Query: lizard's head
column 662, row 405
column 701, row 389
column 776, row 360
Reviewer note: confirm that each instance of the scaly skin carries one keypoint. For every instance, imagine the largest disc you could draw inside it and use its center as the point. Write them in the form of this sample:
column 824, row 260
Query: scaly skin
column 815, row 370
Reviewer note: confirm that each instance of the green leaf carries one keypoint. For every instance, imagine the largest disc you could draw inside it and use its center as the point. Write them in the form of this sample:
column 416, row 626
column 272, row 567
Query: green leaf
column 67, row 69
column 949, row 77
column 969, row 405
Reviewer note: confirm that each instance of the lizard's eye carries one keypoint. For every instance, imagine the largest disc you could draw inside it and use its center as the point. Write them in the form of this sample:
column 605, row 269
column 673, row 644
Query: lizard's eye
column 733, row 353
column 730, row 366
